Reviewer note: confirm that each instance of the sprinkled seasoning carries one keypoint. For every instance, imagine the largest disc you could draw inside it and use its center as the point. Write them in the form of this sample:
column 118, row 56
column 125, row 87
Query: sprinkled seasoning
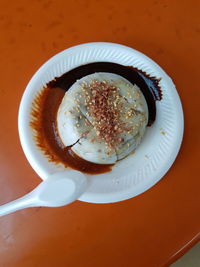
column 103, row 105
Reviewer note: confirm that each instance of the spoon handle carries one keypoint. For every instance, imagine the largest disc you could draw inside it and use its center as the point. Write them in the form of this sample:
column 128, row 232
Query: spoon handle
column 24, row 202
column 58, row 190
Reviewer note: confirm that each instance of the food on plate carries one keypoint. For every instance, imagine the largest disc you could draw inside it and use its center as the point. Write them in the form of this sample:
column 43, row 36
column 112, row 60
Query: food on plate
column 94, row 115
column 102, row 117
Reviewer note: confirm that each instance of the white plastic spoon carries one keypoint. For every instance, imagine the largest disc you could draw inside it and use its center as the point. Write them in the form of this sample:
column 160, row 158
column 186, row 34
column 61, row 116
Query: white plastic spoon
column 57, row 190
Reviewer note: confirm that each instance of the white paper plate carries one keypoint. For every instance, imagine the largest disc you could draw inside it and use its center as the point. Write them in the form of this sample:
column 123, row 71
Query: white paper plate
column 159, row 148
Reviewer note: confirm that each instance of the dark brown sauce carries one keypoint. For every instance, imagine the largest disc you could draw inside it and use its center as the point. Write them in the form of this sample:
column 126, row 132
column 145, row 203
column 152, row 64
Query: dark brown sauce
column 43, row 121
column 46, row 103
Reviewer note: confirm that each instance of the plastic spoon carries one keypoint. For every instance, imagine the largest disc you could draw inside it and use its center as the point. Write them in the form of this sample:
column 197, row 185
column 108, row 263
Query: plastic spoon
column 57, row 190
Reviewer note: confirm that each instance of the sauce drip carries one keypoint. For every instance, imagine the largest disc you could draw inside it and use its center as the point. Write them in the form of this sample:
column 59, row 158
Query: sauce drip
column 46, row 104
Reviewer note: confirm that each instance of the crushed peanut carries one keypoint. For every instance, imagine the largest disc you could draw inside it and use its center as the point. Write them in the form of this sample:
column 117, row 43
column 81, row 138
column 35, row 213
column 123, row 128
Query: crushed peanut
column 103, row 105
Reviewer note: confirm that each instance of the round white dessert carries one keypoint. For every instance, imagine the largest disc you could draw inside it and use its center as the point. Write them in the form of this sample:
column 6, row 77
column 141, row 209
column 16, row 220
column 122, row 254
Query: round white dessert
column 78, row 126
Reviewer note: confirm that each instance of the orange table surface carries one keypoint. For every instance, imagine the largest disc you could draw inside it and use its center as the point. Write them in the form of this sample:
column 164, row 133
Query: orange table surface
column 150, row 230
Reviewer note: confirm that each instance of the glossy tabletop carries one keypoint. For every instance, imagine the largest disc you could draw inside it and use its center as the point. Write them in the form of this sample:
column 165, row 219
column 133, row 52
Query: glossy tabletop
column 150, row 230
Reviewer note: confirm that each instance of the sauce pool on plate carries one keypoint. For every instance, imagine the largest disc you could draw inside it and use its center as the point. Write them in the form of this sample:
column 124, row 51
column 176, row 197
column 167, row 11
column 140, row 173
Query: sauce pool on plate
column 48, row 100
